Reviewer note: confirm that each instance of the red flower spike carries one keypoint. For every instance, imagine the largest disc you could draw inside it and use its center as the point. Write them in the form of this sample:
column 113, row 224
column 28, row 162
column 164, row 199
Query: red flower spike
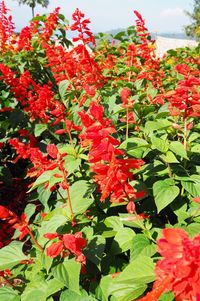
column 125, row 94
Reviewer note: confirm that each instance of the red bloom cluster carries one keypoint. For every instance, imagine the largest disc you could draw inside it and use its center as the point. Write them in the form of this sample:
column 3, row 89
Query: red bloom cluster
column 144, row 50
column 185, row 99
column 111, row 173
column 50, row 25
column 14, row 221
column 179, row 270
column 41, row 163
column 77, row 65
column 67, row 244
column 37, row 100
column 85, row 35
column 181, row 263
column 6, row 27
column 125, row 94
column 24, row 40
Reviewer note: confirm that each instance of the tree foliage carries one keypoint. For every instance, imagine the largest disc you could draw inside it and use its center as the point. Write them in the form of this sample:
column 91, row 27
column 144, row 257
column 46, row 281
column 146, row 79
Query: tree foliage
column 33, row 3
column 193, row 29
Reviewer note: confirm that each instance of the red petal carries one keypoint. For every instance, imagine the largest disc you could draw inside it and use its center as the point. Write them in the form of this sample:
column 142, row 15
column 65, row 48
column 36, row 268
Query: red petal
column 50, row 235
column 52, row 151
column 4, row 212
column 55, row 249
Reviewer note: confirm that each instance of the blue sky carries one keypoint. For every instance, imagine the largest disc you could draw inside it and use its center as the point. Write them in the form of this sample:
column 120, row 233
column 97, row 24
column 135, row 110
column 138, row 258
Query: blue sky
column 160, row 15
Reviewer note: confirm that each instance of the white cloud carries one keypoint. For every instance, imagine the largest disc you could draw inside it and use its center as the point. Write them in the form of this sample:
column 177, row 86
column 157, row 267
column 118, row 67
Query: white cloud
column 173, row 12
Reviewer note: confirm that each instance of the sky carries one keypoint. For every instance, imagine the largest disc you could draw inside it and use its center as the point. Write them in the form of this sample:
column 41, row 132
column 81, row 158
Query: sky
column 160, row 15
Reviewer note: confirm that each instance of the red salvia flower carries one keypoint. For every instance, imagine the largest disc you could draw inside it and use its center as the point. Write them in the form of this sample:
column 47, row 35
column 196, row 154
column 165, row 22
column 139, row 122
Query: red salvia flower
column 112, row 174
column 125, row 94
column 68, row 243
column 81, row 25
column 6, row 28
column 14, row 221
column 181, row 262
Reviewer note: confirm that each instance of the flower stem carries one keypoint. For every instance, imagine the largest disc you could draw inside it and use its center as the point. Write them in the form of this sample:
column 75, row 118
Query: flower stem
column 126, row 123
column 34, row 240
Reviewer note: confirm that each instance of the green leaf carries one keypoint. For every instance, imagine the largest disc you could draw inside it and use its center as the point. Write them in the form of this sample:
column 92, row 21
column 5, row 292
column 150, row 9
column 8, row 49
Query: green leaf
column 43, row 196
column 159, row 144
column 53, row 286
column 11, row 255
column 122, row 241
column 192, row 187
column 39, row 129
column 130, row 284
column 51, row 225
column 135, row 147
column 178, row 148
column 169, row 157
column 38, row 287
column 8, row 294
column 44, row 177
column 69, row 295
column 131, row 221
column 71, row 164
column 159, row 124
column 80, row 193
column 141, row 246
column 164, row 193
column 63, row 88
column 140, row 270
column 114, row 223
column 35, row 291
column 193, row 229
column 180, row 209
column 166, row 297
column 196, row 148
column 95, row 248
column 68, row 273
column 30, row 210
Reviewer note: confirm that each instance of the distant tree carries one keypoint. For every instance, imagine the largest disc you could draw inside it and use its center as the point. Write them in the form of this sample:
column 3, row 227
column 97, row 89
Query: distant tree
column 193, row 29
column 33, row 3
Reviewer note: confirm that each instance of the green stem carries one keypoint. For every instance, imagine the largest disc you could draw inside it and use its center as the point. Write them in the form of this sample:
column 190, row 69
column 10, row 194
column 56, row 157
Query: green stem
column 126, row 123
column 68, row 195
column 34, row 240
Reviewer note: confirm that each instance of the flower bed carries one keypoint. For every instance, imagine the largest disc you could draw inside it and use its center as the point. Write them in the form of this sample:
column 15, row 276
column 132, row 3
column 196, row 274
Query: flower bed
column 100, row 174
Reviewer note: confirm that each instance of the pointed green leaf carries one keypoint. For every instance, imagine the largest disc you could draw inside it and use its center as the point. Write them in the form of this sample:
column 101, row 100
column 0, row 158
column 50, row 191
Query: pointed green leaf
column 68, row 273
column 11, row 255
column 8, row 294
column 164, row 193
column 178, row 148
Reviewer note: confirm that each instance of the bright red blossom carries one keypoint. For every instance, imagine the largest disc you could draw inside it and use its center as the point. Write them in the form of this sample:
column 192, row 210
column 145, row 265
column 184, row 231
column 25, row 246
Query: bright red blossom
column 14, row 221
column 181, row 261
column 68, row 243
column 111, row 173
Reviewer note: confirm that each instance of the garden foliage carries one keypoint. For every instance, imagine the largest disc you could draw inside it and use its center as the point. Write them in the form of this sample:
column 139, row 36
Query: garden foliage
column 100, row 172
